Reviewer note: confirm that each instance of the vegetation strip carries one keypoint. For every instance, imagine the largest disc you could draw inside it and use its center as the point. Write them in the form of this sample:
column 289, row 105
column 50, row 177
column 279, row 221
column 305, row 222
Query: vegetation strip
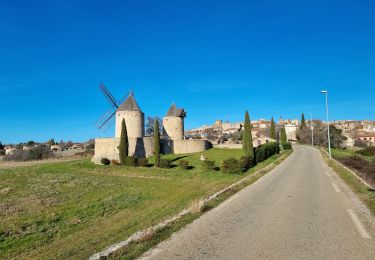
column 365, row 194
column 140, row 235
column 349, row 170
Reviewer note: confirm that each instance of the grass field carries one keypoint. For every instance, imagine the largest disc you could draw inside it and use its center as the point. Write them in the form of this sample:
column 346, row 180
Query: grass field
column 74, row 209
column 344, row 153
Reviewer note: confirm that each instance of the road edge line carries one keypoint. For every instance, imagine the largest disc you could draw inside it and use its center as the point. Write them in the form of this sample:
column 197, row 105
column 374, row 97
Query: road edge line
column 358, row 224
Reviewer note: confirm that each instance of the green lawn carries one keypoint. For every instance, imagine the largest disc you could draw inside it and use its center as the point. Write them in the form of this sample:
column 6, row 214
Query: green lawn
column 342, row 153
column 74, row 209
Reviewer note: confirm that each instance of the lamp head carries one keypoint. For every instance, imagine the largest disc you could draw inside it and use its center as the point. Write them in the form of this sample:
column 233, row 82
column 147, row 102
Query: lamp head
column 323, row 91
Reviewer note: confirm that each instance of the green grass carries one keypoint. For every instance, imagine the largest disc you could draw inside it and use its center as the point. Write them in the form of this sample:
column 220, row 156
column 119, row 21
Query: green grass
column 75, row 209
column 363, row 192
column 343, row 153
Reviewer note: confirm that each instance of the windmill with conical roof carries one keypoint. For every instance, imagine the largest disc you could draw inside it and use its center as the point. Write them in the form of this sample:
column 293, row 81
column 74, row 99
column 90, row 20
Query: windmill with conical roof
column 173, row 123
column 127, row 109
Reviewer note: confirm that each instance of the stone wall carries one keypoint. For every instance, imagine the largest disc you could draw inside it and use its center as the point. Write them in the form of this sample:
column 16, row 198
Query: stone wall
column 106, row 148
column 134, row 121
column 144, row 147
column 190, row 146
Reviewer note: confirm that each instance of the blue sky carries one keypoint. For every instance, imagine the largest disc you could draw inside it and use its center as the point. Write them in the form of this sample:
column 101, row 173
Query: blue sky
column 214, row 58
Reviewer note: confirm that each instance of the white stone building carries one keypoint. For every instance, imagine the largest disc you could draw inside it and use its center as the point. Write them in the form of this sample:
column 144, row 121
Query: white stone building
column 291, row 132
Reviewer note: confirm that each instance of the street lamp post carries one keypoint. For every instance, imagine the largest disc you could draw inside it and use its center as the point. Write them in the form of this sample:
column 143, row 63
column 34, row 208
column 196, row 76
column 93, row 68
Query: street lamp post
column 328, row 135
column 312, row 130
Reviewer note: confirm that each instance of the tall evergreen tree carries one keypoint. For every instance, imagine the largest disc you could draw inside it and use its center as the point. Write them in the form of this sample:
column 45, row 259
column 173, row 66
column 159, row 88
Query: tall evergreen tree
column 124, row 143
column 303, row 121
column 157, row 143
column 283, row 137
column 247, row 143
column 273, row 129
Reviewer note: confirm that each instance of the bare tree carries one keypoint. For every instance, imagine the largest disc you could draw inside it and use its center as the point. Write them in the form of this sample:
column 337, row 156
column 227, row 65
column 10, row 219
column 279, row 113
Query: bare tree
column 150, row 125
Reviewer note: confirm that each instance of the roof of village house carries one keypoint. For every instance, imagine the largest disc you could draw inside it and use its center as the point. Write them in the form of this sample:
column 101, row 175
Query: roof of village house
column 174, row 111
column 366, row 135
column 129, row 105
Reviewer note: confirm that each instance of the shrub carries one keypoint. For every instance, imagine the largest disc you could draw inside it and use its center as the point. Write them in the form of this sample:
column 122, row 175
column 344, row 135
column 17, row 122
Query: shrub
column 259, row 154
column 246, row 162
column 368, row 151
column 2, row 152
column 360, row 143
column 231, row 166
column 130, row 161
column 115, row 162
column 143, row 162
column 183, row 164
column 287, row 146
column 164, row 163
column 364, row 168
column 105, row 161
column 208, row 165
column 265, row 151
column 39, row 153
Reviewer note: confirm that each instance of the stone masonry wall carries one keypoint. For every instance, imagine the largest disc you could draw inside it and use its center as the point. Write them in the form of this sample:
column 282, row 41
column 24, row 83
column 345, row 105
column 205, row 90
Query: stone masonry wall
column 190, row 146
column 144, row 147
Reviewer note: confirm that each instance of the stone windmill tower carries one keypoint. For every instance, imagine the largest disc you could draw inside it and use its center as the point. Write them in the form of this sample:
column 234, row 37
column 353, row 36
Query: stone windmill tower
column 134, row 118
column 173, row 123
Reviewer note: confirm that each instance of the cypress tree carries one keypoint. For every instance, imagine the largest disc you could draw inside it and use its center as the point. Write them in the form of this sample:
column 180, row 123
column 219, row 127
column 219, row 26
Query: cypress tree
column 247, row 144
column 157, row 143
column 124, row 143
column 303, row 122
column 283, row 137
column 273, row 129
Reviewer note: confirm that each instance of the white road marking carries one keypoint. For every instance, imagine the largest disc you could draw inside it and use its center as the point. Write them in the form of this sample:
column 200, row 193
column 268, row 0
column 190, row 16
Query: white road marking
column 335, row 187
column 328, row 174
column 358, row 224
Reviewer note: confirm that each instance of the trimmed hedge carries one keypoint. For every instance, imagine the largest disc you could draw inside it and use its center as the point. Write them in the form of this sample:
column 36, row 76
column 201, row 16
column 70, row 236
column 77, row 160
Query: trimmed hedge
column 130, row 161
column 287, row 146
column 246, row 162
column 183, row 164
column 208, row 165
column 265, row 151
column 143, row 162
column 231, row 166
column 164, row 163
column 105, row 161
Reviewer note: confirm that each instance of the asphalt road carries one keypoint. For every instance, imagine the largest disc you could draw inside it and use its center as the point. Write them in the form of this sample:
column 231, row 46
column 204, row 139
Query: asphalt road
column 299, row 210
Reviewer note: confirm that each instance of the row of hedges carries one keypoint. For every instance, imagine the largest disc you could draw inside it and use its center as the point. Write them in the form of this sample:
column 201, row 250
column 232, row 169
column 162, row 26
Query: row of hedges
column 230, row 165
column 234, row 166
column 129, row 161
column 265, row 151
column 134, row 162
